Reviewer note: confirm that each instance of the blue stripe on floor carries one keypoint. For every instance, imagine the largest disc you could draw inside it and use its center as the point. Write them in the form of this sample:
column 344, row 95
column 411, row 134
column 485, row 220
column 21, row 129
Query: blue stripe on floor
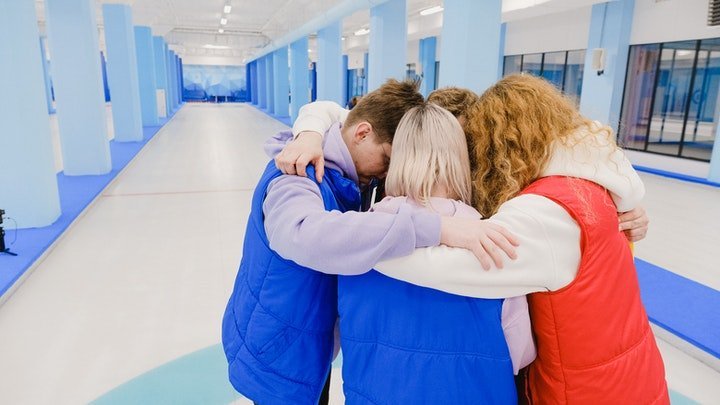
column 201, row 378
column 76, row 192
column 684, row 307
column 197, row 378
column 677, row 176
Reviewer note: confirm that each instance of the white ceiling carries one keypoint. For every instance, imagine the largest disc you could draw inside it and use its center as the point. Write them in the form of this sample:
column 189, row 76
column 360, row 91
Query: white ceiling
column 190, row 25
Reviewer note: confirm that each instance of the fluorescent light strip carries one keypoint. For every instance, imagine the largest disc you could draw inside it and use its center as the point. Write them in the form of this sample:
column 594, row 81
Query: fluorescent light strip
column 362, row 31
column 431, row 10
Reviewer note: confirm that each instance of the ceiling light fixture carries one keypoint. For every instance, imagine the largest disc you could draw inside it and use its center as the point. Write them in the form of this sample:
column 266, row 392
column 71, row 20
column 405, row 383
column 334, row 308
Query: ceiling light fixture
column 210, row 46
column 362, row 31
column 343, row 38
column 221, row 30
column 223, row 21
column 431, row 10
column 227, row 9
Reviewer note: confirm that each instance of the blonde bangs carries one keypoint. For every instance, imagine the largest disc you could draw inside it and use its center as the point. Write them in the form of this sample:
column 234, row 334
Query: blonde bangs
column 429, row 151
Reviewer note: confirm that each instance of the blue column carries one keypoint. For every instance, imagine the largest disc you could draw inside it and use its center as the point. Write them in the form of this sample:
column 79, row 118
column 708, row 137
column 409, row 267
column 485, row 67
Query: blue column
column 714, row 174
column 329, row 64
column 601, row 96
column 501, row 49
column 122, row 72
column 467, row 62
column 388, row 42
column 178, row 74
column 171, row 90
column 28, row 185
column 269, row 85
column 428, row 48
column 146, row 75
column 254, row 83
column 248, row 82
column 345, row 96
column 46, row 75
column 262, row 83
column 299, row 77
column 77, row 79
column 182, row 79
column 366, row 68
column 161, row 78
column 281, row 82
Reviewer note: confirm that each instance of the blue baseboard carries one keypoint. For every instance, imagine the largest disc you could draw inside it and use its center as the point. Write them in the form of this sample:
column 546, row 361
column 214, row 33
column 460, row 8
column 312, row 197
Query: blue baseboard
column 677, row 176
column 76, row 193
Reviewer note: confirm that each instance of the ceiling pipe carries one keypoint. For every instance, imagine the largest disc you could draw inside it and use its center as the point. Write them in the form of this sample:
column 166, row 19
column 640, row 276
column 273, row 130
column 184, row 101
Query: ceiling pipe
column 332, row 15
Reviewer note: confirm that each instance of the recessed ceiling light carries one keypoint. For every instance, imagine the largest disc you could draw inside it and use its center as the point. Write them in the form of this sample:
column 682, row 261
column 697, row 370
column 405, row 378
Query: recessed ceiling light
column 223, row 21
column 343, row 38
column 210, row 46
column 310, row 50
column 362, row 31
column 227, row 9
column 431, row 10
column 221, row 30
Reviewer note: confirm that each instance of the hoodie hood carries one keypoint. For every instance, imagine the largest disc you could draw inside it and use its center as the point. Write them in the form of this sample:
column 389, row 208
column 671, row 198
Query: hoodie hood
column 591, row 156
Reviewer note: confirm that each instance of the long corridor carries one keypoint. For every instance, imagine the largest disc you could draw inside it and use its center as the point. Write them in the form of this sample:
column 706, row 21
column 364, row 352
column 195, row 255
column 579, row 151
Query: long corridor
column 127, row 306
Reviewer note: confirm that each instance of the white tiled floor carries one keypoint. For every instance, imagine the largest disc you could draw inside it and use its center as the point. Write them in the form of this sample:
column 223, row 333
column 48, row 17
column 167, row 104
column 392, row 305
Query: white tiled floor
column 143, row 277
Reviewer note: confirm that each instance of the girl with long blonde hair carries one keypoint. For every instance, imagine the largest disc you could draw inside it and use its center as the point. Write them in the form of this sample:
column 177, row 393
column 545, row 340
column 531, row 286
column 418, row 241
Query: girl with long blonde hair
column 407, row 344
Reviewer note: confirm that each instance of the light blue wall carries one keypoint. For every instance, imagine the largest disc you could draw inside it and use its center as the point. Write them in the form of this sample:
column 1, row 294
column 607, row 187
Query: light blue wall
column 146, row 75
column 299, row 76
column 388, row 43
column 470, row 44
column 610, row 27
column 161, row 79
column 77, row 79
column 28, row 185
column 281, row 81
column 329, row 63
column 427, row 59
column 123, row 72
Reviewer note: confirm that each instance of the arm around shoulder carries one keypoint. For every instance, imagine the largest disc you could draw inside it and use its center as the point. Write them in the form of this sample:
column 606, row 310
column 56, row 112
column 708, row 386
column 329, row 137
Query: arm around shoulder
column 548, row 256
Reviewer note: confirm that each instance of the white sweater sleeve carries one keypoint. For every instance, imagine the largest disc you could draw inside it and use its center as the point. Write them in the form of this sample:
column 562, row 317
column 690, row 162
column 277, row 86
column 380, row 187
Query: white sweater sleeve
column 548, row 256
column 318, row 117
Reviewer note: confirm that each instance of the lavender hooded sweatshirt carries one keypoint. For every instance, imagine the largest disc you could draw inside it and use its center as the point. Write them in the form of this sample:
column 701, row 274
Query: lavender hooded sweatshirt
column 300, row 229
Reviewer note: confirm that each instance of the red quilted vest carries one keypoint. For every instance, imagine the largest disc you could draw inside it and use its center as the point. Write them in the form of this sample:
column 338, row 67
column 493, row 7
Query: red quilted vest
column 594, row 341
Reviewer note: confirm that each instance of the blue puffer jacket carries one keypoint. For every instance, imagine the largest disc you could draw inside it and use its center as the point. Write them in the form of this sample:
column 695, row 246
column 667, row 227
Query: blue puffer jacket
column 404, row 344
column 278, row 325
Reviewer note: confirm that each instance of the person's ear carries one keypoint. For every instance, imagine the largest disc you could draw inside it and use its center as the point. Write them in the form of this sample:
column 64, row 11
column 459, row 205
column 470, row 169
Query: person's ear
column 362, row 131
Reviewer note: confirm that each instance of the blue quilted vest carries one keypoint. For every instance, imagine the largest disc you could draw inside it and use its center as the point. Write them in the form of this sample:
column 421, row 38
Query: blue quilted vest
column 278, row 327
column 404, row 344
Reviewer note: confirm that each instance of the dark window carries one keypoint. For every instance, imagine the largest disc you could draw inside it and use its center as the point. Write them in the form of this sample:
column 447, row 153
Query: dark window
column 564, row 69
column 670, row 98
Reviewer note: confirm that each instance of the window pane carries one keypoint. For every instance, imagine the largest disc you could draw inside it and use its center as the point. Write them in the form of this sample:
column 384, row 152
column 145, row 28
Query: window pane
column 512, row 64
column 532, row 64
column 702, row 120
column 554, row 68
column 672, row 92
column 574, row 74
column 636, row 109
